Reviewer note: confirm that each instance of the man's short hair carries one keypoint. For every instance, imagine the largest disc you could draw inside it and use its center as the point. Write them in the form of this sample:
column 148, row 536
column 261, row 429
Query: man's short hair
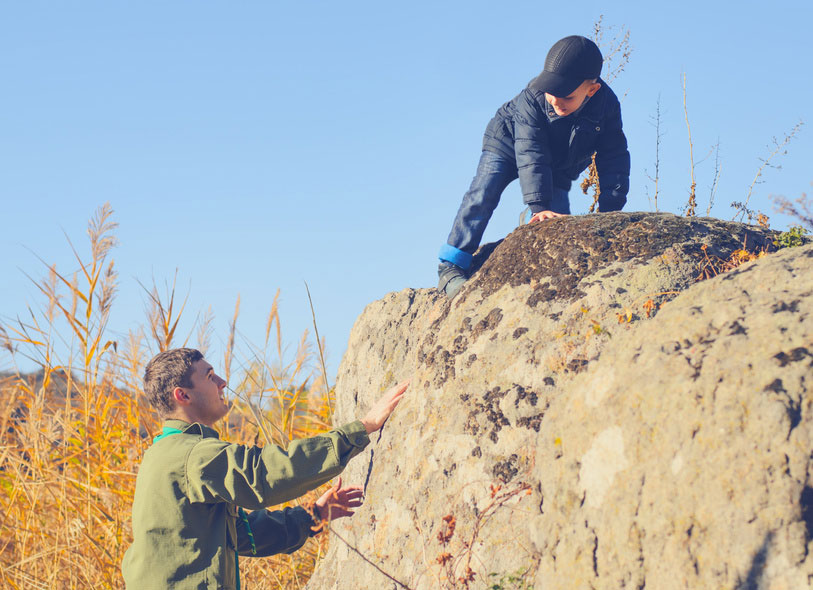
column 166, row 371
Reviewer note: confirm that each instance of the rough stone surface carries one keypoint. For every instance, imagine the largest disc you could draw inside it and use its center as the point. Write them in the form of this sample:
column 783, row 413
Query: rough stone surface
column 662, row 425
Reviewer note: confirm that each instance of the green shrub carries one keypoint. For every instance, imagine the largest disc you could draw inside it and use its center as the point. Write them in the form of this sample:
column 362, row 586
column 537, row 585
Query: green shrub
column 795, row 236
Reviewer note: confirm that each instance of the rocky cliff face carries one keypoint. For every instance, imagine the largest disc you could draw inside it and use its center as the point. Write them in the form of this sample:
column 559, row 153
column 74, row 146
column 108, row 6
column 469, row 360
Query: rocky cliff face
column 587, row 414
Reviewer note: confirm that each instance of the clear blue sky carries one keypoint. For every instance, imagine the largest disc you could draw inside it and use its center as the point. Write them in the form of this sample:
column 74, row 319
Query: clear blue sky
column 257, row 145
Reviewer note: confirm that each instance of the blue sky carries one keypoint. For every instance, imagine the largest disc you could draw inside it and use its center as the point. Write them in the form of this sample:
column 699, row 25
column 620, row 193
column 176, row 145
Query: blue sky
column 257, row 145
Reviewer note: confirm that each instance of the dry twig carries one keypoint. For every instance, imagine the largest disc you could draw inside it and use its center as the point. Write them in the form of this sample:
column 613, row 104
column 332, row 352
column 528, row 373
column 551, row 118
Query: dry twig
column 691, row 206
column 779, row 150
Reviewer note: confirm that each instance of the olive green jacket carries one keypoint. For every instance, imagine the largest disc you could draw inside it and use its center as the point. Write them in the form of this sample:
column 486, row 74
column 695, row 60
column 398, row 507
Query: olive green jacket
column 190, row 487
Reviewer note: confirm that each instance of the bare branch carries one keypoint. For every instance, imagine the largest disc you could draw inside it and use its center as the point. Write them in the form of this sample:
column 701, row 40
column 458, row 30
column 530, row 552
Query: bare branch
column 715, row 180
column 779, row 150
column 658, row 136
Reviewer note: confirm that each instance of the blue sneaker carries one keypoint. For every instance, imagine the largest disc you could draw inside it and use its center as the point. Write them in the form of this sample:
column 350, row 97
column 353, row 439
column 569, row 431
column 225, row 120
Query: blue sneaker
column 451, row 279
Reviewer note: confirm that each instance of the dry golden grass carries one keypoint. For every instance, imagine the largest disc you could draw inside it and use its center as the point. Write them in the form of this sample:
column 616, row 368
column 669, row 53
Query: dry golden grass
column 72, row 434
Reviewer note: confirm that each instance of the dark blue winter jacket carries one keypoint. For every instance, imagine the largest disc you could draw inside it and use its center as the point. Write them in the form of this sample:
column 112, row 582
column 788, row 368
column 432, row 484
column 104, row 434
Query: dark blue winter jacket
column 552, row 151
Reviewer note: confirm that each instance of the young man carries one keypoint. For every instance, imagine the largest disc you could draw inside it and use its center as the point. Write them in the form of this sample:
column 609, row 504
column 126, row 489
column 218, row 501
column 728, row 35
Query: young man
column 546, row 136
column 188, row 519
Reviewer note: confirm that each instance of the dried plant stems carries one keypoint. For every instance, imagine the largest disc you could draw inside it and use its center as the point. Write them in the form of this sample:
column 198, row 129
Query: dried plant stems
column 163, row 318
column 801, row 208
column 591, row 179
column 658, row 136
column 452, row 563
column 691, row 206
column 318, row 341
column 779, row 150
column 616, row 51
column 228, row 354
column 355, row 550
column 715, row 180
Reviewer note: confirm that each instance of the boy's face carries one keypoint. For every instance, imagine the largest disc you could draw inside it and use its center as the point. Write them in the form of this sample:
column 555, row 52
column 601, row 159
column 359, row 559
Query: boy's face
column 565, row 105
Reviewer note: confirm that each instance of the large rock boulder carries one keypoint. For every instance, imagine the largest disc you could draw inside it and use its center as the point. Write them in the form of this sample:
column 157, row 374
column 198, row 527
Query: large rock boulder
column 587, row 413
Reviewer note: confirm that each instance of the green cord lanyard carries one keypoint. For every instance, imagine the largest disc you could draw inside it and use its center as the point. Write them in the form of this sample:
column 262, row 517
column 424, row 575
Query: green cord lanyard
column 169, row 431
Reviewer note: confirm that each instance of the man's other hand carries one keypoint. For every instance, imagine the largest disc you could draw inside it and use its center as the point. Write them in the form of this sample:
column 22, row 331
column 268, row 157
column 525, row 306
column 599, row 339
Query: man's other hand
column 338, row 502
column 545, row 215
column 382, row 409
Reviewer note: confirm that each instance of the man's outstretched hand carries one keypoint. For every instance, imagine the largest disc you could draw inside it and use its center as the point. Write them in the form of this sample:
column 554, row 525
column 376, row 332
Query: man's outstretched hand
column 338, row 502
column 382, row 409
column 545, row 215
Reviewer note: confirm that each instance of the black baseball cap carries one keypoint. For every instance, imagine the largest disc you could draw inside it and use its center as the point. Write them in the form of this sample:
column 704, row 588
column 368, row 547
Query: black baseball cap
column 569, row 63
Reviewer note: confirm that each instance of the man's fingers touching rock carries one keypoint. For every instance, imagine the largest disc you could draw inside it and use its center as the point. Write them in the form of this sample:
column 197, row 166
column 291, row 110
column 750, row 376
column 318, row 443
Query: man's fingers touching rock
column 381, row 409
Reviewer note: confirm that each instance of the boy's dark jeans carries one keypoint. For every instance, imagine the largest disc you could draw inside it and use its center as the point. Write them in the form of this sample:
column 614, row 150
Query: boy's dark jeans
column 494, row 173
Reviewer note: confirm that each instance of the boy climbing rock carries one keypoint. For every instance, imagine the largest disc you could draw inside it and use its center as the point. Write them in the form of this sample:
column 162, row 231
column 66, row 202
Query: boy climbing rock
column 189, row 522
column 546, row 137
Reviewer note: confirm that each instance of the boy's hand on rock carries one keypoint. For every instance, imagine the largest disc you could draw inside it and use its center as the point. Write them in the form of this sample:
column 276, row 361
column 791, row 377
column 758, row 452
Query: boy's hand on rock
column 382, row 409
column 545, row 215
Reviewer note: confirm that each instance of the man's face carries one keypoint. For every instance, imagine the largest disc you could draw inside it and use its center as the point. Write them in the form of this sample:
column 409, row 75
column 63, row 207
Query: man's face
column 566, row 105
column 207, row 398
